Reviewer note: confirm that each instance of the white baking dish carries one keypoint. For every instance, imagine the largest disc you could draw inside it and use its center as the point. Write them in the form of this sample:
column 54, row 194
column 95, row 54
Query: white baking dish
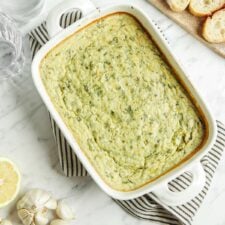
column 159, row 186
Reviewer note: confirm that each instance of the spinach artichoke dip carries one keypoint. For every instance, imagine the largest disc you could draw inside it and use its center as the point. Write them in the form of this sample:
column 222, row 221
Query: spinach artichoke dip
column 122, row 101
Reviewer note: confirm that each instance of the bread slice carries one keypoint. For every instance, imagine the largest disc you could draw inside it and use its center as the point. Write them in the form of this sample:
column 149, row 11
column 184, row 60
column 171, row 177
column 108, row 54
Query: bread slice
column 214, row 27
column 205, row 7
column 178, row 5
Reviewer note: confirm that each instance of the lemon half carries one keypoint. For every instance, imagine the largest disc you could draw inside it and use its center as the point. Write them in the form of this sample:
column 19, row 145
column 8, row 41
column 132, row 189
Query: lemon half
column 9, row 181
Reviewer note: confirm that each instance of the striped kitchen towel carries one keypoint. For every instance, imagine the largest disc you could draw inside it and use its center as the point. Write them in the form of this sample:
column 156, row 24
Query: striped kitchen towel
column 148, row 206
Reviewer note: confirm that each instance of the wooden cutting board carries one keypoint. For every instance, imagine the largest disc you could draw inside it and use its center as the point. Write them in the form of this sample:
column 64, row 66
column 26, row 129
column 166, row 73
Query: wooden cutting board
column 190, row 23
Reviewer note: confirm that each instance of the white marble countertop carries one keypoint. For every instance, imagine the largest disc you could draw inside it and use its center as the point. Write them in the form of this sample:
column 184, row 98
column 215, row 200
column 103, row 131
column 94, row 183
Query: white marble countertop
column 26, row 136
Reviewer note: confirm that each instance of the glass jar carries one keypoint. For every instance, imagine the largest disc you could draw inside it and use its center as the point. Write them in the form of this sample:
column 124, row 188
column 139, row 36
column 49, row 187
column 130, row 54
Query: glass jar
column 11, row 48
column 22, row 10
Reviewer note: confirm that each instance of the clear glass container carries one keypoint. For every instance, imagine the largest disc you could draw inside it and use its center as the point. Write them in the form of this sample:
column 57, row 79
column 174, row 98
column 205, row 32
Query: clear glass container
column 22, row 10
column 11, row 48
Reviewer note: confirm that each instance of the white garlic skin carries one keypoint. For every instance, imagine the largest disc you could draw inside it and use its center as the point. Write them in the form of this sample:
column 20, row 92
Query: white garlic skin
column 59, row 222
column 63, row 211
column 51, row 204
column 33, row 207
column 40, row 219
column 35, row 198
column 26, row 216
column 5, row 222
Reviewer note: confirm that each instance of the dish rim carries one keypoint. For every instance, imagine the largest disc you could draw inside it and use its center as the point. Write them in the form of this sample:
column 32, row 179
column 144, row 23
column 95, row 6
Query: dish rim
column 137, row 13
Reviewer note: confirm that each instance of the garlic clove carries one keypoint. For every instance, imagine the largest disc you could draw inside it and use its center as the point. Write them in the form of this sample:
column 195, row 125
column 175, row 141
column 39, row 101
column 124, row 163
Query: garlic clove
column 51, row 204
column 63, row 211
column 25, row 216
column 39, row 197
column 40, row 219
column 5, row 222
column 59, row 222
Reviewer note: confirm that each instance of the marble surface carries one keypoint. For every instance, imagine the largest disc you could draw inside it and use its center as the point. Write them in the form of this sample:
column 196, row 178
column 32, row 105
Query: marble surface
column 26, row 136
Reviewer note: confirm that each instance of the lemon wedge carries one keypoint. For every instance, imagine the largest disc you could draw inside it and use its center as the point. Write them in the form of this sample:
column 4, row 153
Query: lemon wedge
column 9, row 181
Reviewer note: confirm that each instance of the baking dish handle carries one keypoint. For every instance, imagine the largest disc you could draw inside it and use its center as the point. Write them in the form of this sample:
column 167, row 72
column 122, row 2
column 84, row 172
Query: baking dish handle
column 53, row 18
column 168, row 197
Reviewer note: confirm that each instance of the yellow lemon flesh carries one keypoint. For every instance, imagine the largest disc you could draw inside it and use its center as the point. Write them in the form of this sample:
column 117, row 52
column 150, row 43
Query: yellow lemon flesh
column 9, row 181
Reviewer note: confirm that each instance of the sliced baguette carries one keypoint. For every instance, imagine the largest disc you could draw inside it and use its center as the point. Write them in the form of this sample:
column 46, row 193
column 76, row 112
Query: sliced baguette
column 178, row 5
column 214, row 27
column 205, row 7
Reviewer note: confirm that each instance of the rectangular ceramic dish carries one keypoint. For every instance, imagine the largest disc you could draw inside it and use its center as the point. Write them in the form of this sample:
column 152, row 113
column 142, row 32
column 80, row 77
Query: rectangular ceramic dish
column 158, row 186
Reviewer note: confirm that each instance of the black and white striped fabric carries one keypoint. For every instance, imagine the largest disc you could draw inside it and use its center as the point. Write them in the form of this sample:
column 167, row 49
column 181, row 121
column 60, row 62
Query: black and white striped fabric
column 69, row 162
column 148, row 206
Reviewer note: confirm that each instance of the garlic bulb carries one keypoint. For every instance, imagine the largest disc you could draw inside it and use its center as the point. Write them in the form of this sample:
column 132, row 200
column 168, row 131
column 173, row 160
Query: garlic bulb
column 32, row 208
column 37, row 198
column 59, row 222
column 63, row 211
column 5, row 222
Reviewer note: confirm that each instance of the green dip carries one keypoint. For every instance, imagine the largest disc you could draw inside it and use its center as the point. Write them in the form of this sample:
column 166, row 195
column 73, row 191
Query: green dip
column 121, row 101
